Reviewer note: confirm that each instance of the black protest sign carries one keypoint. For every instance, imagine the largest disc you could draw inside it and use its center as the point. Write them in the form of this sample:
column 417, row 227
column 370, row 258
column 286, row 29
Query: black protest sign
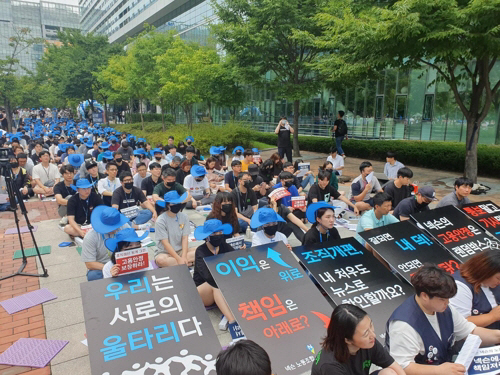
column 486, row 214
column 455, row 231
column 148, row 322
column 274, row 302
column 406, row 248
column 348, row 273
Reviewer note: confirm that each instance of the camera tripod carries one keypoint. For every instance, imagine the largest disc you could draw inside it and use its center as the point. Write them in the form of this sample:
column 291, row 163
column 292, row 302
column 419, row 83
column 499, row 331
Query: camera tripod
column 14, row 194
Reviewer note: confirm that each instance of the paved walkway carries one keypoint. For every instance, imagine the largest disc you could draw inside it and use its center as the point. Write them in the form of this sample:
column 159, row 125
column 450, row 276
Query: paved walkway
column 63, row 318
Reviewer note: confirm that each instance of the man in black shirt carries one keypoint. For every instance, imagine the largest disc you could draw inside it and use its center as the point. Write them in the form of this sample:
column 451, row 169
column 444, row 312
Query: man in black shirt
column 245, row 200
column 80, row 208
column 415, row 204
column 190, row 151
column 284, row 145
column 231, row 178
column 258, row 185
column 149, row 183
column 399, row 188
column 63, row 190
column 128, row 196
column 122, row 166
column 174, row 164
column 93, row 174
column 339, row 132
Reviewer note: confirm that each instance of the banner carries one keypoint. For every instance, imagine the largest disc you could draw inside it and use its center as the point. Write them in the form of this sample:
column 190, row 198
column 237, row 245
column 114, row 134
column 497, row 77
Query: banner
column 148, row 322
column 274, row 302
column 406, row 248
column 348, row 273
column 486, row 362
column 486, row 214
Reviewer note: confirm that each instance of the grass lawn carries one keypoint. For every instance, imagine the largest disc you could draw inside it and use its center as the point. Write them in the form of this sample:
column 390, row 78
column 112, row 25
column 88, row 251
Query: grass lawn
column 262, row 145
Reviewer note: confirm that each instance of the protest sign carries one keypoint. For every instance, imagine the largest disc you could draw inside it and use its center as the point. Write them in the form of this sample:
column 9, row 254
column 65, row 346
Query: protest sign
column 299, row 202
column 486, row 362
column 236, row 242
column 279, row 193
column 132, row 260
column 455, row 231
column 130, row 212
column 274, row 302
column 303, row 169
column 148, row 322
column 406, row 248
column 486, row 214
column 348, row 273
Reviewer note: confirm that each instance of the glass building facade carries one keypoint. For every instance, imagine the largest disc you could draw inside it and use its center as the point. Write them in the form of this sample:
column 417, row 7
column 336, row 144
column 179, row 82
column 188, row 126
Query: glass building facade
column 44, row 20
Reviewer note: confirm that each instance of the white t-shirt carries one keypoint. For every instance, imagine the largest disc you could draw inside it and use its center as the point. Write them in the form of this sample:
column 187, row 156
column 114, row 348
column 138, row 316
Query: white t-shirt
column 406, row 343
column 46, row 174
column 239, row 158
column 105, row 184
column 337, row 162
column 260, row 238
column 462, row 301
column 194, row 187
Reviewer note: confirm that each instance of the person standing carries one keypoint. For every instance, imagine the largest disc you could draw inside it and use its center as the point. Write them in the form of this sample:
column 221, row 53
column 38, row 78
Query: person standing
column 284, row 145
column 340, row 131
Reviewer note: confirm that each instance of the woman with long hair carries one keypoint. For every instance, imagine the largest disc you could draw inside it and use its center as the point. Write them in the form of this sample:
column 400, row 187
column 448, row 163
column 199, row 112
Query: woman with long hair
column 478, row 289
column 183, row 171
column 214, row 178
column 277, row 163
column 224, row 209
column 322, row 217
column 308, row 179
column 351, row 347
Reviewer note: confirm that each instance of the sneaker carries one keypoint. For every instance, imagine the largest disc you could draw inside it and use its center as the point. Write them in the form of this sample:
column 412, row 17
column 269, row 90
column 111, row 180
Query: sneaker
column 63, row 221
column 223, row 323
column 236, row 332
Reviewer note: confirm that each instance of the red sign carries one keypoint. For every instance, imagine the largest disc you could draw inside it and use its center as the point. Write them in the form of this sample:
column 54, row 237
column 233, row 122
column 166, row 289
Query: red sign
column 279, row 193
column 132, row 260
column 299, row 202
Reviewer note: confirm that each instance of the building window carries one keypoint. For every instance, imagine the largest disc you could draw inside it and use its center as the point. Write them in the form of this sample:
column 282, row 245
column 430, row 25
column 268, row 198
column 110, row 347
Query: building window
column 428, row 107
column 400, row 110
column 379, row 107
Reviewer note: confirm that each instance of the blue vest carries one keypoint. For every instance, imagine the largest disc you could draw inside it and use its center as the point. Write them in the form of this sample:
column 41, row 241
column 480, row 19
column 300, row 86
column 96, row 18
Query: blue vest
column 480, row 304
column 437, row 350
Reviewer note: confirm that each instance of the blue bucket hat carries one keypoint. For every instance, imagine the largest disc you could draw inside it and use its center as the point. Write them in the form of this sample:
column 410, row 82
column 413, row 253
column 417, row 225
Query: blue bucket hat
column 83, row 183
column 214, row 150
column 140, row 151
column 141, row 140
column 238, row 148
column 106, row 219
column 212, row 226
column 104, row 145
column 89, row 144
column 113, row 138
column 157, row 151
column 190, row 138
column 76, row 160
column 107, row 155
column 313, row 208
column 256, row 150
column 127, row 234
column 172, row 197
column 198, row 171
column 263, row 216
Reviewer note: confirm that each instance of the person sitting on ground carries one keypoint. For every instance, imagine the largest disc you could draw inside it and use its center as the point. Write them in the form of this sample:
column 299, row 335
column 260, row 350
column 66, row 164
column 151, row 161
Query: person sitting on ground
column 351, row 345
column 93, row 174
column 458, row 198
column 265, row 223
column 158, row 157
column 286, row 181
column 168, row 184
column 126, row 239
column 307, row 179
column 322, row 217
column 197, row 185
column 45, row 175
column 172, row 152
column 224, row 209
column 122, row 165
column 399, row 188
column 181, row 148
column 361, row 188
column 415, row 204
column 258, row 185
column 106, row 221
column 322, row 191
column 478, row 289
column 336, row 160
column 328, row 167
column 190, row 155
column 245, row 357
column 266, row 171
column 245, row 199
column 142, row 173
column 183, row 171
column 175, row 164
column 63, row 190
column 238, row 153
column 35, row 157
column 277, row 164
column 247, row 160
column 150, row 182
column 128, row 195
column 171, row 232
column 231, row 177
column 288, row 167
column 421, row 332
column 106, row 186
column 126, row 151
column 392, row 166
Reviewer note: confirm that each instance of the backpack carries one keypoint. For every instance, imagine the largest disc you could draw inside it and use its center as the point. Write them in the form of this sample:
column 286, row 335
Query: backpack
column 342, row 128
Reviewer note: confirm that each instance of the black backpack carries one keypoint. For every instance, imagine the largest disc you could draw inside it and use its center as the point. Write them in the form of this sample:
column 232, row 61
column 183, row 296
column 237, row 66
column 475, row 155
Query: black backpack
column 342, row 128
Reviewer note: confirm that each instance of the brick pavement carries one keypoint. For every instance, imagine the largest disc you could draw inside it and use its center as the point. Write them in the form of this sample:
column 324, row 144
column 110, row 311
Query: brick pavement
column 30, row 322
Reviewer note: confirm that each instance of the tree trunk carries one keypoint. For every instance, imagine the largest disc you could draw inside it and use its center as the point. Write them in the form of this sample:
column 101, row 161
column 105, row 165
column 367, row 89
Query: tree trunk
column 162, row 116
column 8, row 112
column 106, row 112
column 142, row 116
column 471, row 149
column 296, row 150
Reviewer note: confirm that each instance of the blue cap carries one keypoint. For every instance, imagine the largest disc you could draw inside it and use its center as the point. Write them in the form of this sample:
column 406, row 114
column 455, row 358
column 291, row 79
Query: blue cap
column 104, row 145
column 212, row 226
column 127, row 234
column 172, row 197
column 89, row 144
column 198, row 171
column 82, row 183
column 313, row 208
column 113, row 138
column 76, row 160
column 107, row 155
column 140, row 151
column 157, row 151
column 106, row 219
column 238, row 148
column 256, row 150
column 141, row 140
column 190, row 138
column 214, row 150
column 263, row 216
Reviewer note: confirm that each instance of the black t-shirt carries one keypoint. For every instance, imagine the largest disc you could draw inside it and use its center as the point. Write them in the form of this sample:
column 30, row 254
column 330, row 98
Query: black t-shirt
column 64, row 190
column 296, row 182
column 148, row 184
column 337, row 123
column 257, row 180
column 322, row 195
column 225, row 220
column 123, row 168
column 81, row 209
column 358, row 364
column 397, row 194
column 244, row 200
column 284, row 137
column 181, row 175
column 201, row 272
column 125, row 200
column 231, row 180
column 194, row 161
column 313, row 236
column 409, row 206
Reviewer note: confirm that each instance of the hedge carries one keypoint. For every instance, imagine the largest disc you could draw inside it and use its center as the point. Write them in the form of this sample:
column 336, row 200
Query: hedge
column 449, row 156
column 132, row 118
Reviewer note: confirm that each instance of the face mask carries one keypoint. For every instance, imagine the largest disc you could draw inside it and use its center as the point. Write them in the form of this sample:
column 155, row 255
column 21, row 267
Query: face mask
column 188, row 143
column 14, row 164
column 125, row 144
column 288, row 184
column 113, row 142
column 271, row 230
column 199, row 179
column 247, row 184
column 215, row 241
column 129, row 185
column 119, row 160
column 158, row 158
column 170, row 184
column 226, row 208
column 175, row 208
column 238, row 153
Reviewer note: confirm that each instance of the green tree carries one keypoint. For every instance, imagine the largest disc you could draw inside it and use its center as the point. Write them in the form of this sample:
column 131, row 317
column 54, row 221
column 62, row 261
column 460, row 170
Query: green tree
column 459, row 39
column 273, row 36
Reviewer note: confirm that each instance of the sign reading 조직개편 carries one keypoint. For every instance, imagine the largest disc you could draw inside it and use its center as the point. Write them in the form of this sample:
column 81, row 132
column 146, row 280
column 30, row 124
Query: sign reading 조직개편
column 406, row 248
column 274, row 302
column 455, row 231
column 148, row 322
column 348, row 273
column 486, row 214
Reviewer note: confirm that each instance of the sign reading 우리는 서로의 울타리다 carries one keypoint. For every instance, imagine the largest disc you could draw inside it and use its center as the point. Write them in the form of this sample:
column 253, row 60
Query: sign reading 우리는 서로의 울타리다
column 486, row 214
column 274, row 302
column 148, row 320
